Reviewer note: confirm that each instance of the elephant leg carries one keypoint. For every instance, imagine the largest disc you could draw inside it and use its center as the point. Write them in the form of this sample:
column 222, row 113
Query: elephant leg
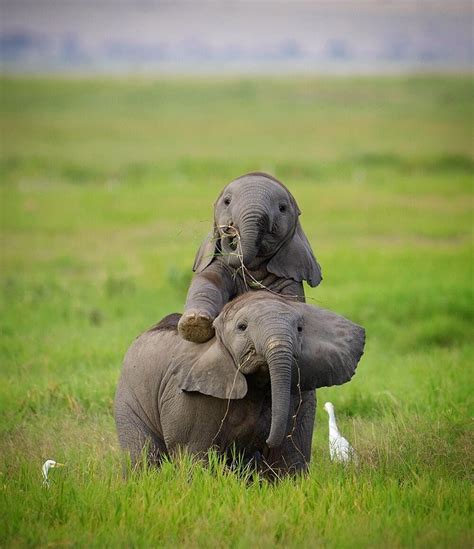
column 137, row 439
column 210, row 290
column 294, row 455
column 196, row 325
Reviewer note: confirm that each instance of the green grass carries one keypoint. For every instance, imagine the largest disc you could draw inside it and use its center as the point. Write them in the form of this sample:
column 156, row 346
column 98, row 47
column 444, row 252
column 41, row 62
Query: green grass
column 106, row 192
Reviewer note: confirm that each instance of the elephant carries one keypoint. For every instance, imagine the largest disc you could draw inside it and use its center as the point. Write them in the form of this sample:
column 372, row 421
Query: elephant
column 247, row 392
column 257, row 242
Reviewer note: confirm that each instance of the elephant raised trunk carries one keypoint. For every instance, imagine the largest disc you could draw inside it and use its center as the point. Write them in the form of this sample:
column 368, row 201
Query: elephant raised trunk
column 279, row 358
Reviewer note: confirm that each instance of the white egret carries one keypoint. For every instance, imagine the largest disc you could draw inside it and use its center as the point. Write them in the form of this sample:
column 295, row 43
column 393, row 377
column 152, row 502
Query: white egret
column 47, row 465
column 340, row 449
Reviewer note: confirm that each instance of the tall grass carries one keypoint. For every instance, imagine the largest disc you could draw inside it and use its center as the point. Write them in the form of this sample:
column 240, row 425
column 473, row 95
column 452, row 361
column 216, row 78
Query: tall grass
column 106, row 192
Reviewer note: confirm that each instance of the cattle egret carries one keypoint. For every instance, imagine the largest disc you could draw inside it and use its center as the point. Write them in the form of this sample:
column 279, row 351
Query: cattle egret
column 339, row 448
column 47, row 465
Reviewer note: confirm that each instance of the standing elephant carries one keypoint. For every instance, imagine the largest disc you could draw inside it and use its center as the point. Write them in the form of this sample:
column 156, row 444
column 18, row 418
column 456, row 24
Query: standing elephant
column 250, row 389
column 257, row 242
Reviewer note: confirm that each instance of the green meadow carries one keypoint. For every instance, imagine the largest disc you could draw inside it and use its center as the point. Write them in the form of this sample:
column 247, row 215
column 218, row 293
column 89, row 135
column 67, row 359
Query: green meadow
column 106, row 190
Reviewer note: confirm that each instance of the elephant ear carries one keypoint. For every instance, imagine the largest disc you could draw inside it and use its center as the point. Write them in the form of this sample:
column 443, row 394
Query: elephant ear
column 215, row 374
column 207, row 251
column 295, row 260
column 331, row 348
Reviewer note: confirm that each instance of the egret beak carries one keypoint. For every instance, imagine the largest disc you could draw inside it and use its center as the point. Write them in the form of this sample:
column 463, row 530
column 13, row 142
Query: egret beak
column 60, row 465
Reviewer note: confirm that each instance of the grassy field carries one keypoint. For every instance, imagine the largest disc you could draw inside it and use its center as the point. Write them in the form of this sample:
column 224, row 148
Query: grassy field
column 106, row 192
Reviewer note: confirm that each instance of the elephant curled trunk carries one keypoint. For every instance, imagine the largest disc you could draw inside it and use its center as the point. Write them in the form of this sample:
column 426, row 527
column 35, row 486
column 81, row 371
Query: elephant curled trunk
column 251, row 226
column 279, row 359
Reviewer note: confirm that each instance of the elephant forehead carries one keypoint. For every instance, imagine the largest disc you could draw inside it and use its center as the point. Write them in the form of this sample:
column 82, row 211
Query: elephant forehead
column 270, row 314
column 259, row 304
column 258, row 185
column 266, row 310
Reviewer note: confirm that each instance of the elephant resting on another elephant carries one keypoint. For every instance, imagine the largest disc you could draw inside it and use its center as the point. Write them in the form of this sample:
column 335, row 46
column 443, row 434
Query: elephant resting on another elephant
column 249, row 390
column 257, row 242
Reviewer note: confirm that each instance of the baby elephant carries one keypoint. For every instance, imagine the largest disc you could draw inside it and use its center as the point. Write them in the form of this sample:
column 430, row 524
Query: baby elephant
column 249, row 390
column 257, row 242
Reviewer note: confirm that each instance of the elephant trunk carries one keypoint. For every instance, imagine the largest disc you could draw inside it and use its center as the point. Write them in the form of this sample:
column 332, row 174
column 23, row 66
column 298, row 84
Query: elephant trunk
column 252, row 226
column 279, row 357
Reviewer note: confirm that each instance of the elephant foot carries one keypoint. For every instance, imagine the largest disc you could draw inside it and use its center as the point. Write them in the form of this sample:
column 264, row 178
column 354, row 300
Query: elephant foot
column 196, row 326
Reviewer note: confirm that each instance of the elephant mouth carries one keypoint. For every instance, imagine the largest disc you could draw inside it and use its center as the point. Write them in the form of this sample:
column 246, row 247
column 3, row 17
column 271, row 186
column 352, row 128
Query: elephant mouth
column 230, row 236
column 230, row 241
column 238, row 253
column 233, row 243
column 251, row 362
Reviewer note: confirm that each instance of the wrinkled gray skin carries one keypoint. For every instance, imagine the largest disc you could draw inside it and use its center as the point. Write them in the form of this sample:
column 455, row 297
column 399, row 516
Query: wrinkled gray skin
column 255, row 225
column 247, row 389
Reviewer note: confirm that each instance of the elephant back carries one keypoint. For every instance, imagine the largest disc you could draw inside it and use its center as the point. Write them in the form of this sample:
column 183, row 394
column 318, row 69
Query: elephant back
column 168, row 323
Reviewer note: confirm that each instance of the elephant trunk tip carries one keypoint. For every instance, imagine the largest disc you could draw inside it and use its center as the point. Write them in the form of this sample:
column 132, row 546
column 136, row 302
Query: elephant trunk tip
column 271, row 443
column 275, row 438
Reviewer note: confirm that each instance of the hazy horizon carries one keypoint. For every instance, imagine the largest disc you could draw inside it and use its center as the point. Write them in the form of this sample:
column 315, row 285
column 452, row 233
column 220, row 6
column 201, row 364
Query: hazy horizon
column 235, row 36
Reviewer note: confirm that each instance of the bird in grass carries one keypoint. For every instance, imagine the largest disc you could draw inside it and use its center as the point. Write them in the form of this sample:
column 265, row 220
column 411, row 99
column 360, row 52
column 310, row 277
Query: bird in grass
column 47, row 465
column 339, row 448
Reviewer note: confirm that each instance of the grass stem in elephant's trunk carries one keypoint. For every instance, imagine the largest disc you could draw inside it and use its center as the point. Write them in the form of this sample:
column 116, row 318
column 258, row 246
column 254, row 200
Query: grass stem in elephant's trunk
column 279, row 360
column 240, row 247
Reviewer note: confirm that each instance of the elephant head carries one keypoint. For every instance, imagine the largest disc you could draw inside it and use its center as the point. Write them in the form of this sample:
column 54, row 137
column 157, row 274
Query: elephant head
column 255, row 222
column 299, row 347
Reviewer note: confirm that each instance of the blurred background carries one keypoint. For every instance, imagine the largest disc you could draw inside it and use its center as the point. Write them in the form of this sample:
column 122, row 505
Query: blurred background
column 120, row 123
column 263, row 36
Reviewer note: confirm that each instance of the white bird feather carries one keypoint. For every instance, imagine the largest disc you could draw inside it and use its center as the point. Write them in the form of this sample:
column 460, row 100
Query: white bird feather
column 47, row 465
column 340, row 449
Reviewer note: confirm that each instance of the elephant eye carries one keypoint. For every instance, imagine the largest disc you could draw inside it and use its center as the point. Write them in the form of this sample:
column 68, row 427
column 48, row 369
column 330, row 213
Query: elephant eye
column 242, row 326
column 300, row 328
column 282, row 208
column 227, row 200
